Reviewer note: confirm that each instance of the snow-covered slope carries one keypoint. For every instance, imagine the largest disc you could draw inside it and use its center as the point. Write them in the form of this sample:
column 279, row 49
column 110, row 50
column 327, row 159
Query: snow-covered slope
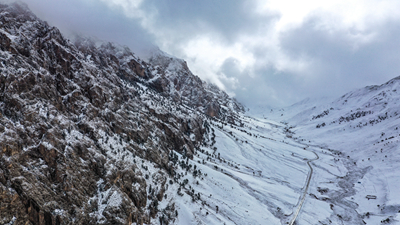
column 84, row 136
column 362, row 126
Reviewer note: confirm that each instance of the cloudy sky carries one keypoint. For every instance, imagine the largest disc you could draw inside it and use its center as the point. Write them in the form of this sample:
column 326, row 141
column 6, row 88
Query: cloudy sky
column 264, row 52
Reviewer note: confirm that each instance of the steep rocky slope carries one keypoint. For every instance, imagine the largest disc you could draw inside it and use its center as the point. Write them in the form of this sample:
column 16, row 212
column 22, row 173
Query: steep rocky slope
column 172, row 77
column 88, row 131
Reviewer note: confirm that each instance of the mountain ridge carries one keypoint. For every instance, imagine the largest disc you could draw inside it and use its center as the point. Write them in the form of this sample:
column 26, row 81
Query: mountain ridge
column 81, row 124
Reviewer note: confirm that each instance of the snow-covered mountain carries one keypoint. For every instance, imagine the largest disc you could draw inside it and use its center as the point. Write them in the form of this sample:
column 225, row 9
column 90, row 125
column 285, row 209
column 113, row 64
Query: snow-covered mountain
column 92, row 134
column 85, row 136
column 172, row 76
column 361, row 130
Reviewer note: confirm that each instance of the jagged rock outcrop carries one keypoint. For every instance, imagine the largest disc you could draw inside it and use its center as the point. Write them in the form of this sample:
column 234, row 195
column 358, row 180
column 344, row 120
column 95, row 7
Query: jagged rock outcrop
column 81, row 124
column 172, row 76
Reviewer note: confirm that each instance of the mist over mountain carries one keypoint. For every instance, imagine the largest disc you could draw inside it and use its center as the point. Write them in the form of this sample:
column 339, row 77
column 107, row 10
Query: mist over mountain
column 90, row 133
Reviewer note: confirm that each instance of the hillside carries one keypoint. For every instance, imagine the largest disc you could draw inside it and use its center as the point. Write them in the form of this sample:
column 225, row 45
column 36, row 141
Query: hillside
column 83, row 123
column 363, row 127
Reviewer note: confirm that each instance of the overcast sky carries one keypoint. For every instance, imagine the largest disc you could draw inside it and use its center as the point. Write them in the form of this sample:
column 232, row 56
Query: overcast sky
column 262, row 52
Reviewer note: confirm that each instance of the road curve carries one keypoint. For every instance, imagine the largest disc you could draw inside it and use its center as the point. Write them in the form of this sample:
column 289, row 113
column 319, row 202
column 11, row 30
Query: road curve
column 306, row 187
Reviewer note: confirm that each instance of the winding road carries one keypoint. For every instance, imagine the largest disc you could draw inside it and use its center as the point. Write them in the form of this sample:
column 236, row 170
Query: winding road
column 303, row 197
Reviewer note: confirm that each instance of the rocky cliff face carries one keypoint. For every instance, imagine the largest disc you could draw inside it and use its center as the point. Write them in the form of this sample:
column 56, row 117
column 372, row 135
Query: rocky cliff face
column 87, row 130
column 172, row 77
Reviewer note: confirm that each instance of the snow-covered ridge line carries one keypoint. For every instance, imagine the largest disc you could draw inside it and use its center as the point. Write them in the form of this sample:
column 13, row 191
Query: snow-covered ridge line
column 361, row 127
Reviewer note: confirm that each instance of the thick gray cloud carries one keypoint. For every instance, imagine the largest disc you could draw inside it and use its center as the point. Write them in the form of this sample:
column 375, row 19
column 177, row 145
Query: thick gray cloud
column 93, row 18
column 263, row 64
column 341, row 63
column 225, row 19
column 338, row 61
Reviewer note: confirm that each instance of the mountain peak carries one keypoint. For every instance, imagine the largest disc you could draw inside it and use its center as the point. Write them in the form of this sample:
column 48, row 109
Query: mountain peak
column 18, row 9
column 172, row 76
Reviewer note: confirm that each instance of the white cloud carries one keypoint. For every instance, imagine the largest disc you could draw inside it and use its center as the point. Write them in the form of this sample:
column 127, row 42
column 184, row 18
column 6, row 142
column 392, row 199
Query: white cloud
column 206, row 41
column 334, row 13
column 131, row 8
column 287, row 49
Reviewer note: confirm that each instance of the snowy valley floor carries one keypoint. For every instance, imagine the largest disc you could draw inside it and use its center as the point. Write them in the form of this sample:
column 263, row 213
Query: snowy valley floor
column 257, row 174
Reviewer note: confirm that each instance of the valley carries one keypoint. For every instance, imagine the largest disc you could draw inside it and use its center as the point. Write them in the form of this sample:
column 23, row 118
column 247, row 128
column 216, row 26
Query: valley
column 92, row 134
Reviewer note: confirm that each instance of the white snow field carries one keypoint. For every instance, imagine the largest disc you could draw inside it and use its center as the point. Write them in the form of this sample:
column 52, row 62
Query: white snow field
column 251, row 178
column 360, row 132
column 258, row 172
